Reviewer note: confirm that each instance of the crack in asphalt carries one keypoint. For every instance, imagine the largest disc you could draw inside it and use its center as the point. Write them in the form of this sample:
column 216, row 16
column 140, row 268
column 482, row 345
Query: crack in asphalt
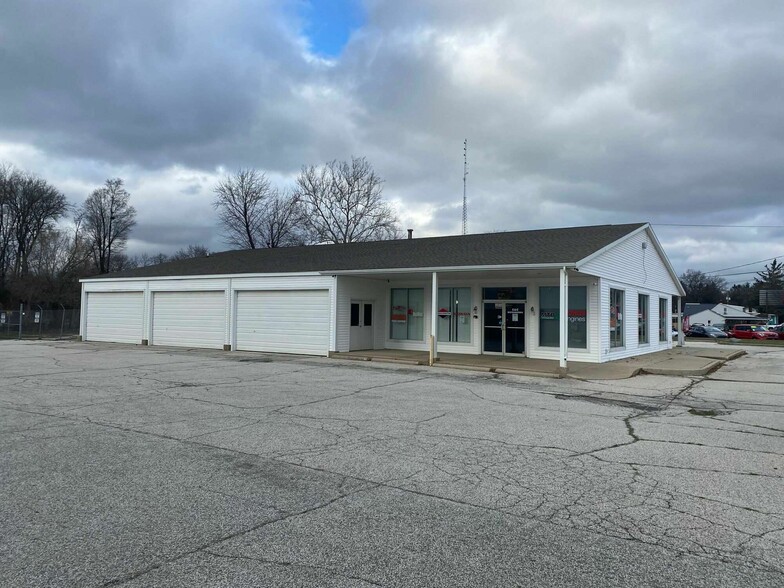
column 331, row 571
column 124, row 579
column 617, row 498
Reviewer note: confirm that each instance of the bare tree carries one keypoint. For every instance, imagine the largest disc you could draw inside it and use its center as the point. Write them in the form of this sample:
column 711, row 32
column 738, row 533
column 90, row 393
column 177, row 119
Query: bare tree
column 61, row 256
column 33, row 206
column 108, row 218
column 239, row 200
column 145, row 260
column 7, row 179
column 189, row 252
column 281, row 221
column 342, row 203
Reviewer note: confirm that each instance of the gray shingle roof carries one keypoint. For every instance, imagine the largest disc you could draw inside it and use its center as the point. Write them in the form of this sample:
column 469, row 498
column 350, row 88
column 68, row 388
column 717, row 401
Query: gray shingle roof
column 691, row 309
column 546, row 246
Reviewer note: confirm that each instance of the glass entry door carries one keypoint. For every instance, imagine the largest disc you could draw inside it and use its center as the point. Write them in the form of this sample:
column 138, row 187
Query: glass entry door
column 503, row 326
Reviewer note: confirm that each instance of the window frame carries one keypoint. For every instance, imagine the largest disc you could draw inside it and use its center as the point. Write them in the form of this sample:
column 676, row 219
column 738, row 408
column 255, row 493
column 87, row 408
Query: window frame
column 620, row 326
column 391, row 317
column 454, row 313
column 587, row 310
column 663, row 330
column 643, row 319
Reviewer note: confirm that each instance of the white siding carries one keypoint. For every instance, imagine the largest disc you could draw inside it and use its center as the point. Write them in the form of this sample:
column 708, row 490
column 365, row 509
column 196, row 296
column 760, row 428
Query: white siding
column 217, row 284
column 293, row 321
column 349, row 289
column 628, row 262
column 114, row 317
column 189, row 319
column 632, row 346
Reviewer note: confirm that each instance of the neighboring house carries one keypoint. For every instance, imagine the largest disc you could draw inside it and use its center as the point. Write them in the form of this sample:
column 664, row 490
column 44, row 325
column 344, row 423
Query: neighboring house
column 720, row 315
column 590, row 294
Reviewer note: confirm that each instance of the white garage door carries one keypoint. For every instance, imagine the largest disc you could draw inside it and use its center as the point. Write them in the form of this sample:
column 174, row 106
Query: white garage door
column 115, row 316
column 189, row 319
column 290, row 321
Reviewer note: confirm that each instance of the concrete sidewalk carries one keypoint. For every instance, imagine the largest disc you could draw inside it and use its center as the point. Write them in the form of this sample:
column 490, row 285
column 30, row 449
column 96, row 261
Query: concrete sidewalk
column 680, row 361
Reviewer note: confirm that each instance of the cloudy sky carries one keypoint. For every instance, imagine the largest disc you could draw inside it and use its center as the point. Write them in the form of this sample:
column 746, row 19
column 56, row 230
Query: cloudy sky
column 576, row 112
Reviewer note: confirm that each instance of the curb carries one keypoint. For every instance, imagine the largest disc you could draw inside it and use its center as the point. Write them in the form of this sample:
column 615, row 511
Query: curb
column 711, row 367
column 632, row 374
column 511, row 372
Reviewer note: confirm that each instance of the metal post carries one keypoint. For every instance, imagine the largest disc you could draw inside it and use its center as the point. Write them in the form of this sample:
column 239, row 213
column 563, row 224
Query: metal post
column 563, row 316
column 21, row 311
column 40, row 319
column 680, row 323
column 434, row 321
column 62, row 320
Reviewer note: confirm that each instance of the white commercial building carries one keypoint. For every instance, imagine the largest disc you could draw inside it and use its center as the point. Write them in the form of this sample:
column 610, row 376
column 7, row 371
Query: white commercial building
column 591, row 294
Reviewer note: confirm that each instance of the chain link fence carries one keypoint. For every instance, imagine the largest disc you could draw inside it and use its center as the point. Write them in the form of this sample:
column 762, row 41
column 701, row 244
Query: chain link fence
column 38, row 323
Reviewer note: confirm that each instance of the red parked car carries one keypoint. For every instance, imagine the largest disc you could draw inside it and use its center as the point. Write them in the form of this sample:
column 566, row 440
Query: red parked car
column 752, row 332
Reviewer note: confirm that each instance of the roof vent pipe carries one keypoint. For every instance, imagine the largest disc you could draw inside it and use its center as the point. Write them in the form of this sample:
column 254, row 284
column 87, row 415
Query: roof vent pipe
column 410, row 233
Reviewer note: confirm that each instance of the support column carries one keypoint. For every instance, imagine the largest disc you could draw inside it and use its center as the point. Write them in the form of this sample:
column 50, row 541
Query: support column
column 563, row 316
column 228, row 327
column 434, row 321
column 147, row 314
column 680, row 323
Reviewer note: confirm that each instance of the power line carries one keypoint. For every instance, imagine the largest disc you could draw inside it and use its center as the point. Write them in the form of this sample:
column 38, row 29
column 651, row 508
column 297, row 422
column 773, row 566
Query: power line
column 724, row 269
column 721, row 226
column 735, row 274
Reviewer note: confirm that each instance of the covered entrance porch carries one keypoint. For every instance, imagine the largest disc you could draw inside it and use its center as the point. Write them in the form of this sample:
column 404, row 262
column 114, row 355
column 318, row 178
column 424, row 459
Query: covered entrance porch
column 499, row 313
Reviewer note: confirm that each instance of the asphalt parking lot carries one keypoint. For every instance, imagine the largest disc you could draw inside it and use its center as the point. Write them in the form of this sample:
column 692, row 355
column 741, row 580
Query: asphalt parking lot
column 129, row 466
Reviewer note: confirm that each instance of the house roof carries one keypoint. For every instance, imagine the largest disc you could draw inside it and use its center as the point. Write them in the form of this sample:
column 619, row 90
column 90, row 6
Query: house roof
column 694, row 308
column 539, row 247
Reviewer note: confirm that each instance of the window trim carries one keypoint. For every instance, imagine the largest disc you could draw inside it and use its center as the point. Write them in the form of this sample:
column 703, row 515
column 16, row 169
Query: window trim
column 422, row 339
column 538, row 318
column 622, row 345
column 646, row 319
column 664, row 332
column 453, row 318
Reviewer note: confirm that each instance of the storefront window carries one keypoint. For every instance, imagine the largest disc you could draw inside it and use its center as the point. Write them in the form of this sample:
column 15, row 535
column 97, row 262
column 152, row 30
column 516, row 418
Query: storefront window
column 642, row 319
column 407, row 318
column 454, row 315
column 663, row 330
column 577, row 317
column 616, row 318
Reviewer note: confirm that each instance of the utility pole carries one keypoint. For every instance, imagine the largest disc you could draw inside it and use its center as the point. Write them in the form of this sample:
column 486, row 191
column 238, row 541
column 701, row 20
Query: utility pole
column 465, row 175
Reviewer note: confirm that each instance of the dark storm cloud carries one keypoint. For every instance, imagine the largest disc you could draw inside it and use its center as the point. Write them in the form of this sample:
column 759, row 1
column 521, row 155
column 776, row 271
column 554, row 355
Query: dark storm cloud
column 168, row 236
column 152, row 82
column 575, row 112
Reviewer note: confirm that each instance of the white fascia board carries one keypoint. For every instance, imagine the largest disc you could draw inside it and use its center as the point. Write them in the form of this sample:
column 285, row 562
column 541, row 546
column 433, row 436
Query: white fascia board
column 451, row 268
column 205, row 277
column 659, row 249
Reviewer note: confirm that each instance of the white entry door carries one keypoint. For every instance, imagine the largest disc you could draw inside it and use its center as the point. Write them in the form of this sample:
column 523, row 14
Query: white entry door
column 361, row 329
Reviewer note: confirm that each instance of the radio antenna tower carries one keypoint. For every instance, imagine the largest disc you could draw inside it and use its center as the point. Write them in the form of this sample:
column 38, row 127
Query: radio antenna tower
column 465, row 175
